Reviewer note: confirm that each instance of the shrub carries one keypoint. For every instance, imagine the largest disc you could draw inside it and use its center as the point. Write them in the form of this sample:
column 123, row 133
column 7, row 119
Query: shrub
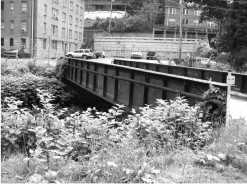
column 60, row 68
column 24, row 89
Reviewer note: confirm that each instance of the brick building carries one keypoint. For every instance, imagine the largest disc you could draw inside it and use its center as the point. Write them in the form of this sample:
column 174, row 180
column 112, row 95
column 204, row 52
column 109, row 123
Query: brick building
column 47, row 28
column 192, row 29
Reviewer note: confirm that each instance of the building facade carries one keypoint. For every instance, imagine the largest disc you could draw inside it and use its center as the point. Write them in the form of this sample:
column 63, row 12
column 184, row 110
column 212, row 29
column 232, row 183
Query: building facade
column 191, row 27
column 47, row 28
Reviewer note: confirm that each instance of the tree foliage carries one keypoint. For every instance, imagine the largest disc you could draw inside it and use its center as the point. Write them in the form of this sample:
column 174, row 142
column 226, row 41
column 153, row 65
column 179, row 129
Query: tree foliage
column 231, row 17
column 141, row 18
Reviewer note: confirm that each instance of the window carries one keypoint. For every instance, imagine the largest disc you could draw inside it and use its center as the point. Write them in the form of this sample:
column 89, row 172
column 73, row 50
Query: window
column 80, row 23
column 54, row 44
column 70, row 19
column 185, row 12
column 2, row 41
column 80, row 36
column 76, row 35
column 45, row 10
column 185, row 22
column 76, row 22
column 24, row 7
column 2, row 5
column 54, row 30
column 12, row 26
column 63, row 32
column 70, row 34
column 2, row 25
column 55, row 1
column 11, row 6
column 81, row 10
column 23, row 43
column 71, row 5
column 195, row 22
column 44, row 43
column 54, row 13
column 44, row 28
column 171, row 21
column 64, row 17
column 210, row 24
column 11, row 42
column 172, row 11
column 23, row 26
column 197, row 12
column 77, row 9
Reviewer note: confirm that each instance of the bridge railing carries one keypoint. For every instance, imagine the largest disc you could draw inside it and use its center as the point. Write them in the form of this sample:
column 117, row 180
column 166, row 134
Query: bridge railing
column 131, row 86
column 198, row 73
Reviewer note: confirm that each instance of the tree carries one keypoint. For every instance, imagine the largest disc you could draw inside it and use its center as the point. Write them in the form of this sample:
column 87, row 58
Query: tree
column 232, row 20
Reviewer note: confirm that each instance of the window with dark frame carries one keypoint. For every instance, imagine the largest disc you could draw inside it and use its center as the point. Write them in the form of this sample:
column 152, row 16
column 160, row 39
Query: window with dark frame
column 23, row 43
column 44, row 43
column 2, row 41
column 11, row 42
column 11, row 6
column 24, row 7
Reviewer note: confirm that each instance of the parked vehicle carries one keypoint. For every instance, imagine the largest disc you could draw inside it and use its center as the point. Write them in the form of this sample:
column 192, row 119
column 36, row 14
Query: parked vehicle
column 15, row 54
column 10, row 54
column 100, row 54
column 205, row 61
column 136, row 54
column 81, row 53
column 151, row 55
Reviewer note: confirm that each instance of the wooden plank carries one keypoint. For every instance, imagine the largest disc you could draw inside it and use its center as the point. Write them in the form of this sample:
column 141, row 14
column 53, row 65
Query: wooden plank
column 84, row 74
column 101, row 69
column 138, row 90
column 174, row 84
column 110, row 83
column 153, row 93
column 124, row 88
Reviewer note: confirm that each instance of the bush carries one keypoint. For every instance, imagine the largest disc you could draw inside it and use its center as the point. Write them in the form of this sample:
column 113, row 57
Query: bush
column 60, row 68
column 24, row 89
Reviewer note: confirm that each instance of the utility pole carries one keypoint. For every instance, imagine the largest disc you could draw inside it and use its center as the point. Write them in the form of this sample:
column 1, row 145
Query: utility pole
column 67, row 38
column 32, row 24
column 110, row 19
column 181, row 30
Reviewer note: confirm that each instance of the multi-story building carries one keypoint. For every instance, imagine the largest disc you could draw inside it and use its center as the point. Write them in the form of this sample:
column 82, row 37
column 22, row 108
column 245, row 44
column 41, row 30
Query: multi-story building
column 105, row 5
column 44, row 28
column 191, row 27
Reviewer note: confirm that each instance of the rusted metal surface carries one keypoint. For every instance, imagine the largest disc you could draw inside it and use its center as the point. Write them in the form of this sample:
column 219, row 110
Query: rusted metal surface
column 199, row 73
column 133, row 87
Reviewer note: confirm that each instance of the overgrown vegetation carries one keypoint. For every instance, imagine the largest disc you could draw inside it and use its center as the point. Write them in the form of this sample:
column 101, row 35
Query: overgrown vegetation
column 162, row 143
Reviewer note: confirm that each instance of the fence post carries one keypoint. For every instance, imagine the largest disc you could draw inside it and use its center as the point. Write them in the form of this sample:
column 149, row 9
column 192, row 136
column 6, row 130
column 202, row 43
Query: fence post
column 230, row 80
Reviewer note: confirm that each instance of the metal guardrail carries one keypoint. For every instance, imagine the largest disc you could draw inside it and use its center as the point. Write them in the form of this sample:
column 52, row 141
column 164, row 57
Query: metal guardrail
column 130, row 86
column 198, row 73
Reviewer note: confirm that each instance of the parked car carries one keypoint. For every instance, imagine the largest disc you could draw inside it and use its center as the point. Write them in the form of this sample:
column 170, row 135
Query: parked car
column 81, row 53
column 10, row 54
column 205, row 61
column 15, row 54
column 151, row 55
column 100, row 54
column 136, row 54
